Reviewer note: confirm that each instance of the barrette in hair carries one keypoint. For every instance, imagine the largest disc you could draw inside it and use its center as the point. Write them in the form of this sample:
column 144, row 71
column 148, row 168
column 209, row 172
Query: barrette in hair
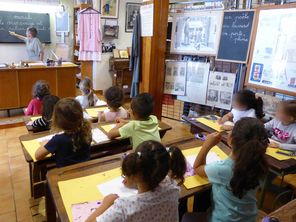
column 168, row 149
column 139, row 154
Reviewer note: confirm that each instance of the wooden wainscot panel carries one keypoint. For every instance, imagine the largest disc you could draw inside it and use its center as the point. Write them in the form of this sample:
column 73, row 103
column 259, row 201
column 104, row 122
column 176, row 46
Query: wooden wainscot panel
column 9, row 97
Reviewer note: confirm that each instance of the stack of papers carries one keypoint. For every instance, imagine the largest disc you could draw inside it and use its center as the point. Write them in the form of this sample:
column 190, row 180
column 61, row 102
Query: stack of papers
column 98, row 136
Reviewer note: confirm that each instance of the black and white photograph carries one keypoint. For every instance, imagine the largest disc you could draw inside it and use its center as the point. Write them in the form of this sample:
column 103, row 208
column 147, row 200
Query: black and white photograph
column 225, row 97
column 175, row 78
column 220, row 89
column 213, row 95
column 196, row 33
column 132, row 10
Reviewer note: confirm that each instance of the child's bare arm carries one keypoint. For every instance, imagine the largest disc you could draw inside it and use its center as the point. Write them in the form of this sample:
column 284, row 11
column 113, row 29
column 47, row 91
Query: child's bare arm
column 225, row 118
column 42, row 152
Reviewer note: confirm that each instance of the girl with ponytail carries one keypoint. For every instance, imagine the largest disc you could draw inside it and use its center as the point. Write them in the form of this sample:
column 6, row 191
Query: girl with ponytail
column 245, row 104
column 88, row 97
column 234, row 180
column 155, row 171
column 73, row 144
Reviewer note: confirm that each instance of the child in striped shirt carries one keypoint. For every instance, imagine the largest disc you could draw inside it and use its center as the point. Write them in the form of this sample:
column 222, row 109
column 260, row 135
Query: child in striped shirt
column 43, row 123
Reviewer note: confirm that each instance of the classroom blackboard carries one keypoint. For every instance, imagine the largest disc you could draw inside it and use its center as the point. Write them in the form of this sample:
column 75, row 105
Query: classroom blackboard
column 236, row 36
column 19, row 22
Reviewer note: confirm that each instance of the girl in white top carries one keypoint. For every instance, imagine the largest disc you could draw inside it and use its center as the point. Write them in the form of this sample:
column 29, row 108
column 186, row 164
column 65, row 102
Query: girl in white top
column 88, row 98
column 245, row 104
column 114, row 98
column 157, row 199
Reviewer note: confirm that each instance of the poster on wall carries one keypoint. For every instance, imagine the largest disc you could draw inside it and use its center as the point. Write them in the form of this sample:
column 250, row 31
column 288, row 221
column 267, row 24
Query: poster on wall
column 220, row 89
column 132, row 10
column 196, row 33
column 196, row 83
column 175, row 78
column 273, row 62
column 109, row 8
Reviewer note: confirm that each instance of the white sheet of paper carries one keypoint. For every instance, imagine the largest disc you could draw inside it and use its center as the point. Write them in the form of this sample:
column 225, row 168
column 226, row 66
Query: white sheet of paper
column 101, row 103
column 45, row 138
column 116, row 186
column 98, row 136
column 86, row 116
column 211, row 158
column 147, row 20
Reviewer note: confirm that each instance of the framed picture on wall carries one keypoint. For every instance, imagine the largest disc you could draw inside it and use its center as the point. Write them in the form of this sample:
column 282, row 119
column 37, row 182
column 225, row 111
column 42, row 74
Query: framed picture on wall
column 109, row 8
column 132, row 10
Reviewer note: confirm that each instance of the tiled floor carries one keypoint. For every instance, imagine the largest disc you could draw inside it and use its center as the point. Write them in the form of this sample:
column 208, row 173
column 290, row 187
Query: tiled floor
column 14, row 177
column 15, row 204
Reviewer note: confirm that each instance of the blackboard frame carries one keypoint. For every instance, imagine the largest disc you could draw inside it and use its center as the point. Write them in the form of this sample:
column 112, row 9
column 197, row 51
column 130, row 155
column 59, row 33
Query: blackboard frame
column 248, row 70
column 18, row 41
column 250, row 40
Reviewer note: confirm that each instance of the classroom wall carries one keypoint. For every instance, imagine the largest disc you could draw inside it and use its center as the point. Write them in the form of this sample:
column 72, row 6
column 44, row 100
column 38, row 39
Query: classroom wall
column 101, row 76
column 17, row 52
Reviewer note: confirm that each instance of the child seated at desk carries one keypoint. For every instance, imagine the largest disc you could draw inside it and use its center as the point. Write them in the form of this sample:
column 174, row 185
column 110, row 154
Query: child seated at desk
column 234, row 180
column 283, row 127
column 73, row 144
column 40, row 90
column 88, row 97
column 245, row 104
column 43, row 123
column 114, row 99
column 158, row 194
column 143, row 125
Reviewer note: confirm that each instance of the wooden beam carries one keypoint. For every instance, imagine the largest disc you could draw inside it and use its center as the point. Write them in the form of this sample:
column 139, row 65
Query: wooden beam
column 153, row 55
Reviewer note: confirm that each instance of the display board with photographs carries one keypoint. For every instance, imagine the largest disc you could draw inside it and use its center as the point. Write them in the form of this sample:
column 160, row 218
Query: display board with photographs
column 132, row 10
column 196, row 83
column 196, row 33
column 220, row 89
column 273, row 63
column 175, row 78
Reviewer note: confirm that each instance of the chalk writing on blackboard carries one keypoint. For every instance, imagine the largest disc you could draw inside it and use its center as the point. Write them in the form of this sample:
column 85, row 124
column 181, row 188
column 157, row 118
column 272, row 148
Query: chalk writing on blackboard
column 235, row 35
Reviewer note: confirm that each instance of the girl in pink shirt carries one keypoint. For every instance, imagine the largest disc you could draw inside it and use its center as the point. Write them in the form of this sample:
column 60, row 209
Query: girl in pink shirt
column 114, row 99
column 40, row 90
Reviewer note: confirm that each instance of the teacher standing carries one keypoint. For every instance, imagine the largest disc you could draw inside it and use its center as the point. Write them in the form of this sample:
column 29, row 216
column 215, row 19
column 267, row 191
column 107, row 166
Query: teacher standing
column 33, row 44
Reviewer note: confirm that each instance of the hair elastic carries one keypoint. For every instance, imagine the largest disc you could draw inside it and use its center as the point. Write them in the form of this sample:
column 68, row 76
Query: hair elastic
column 168, row 149
column 139, row 154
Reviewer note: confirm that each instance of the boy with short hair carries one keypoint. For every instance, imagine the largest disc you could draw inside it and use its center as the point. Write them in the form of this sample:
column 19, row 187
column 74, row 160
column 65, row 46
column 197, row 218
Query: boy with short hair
column 143, row 125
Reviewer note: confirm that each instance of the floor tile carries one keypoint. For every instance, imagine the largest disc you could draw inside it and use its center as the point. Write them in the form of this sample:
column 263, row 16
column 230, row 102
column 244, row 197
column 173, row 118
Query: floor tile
column 8, row 217
column 6, row 203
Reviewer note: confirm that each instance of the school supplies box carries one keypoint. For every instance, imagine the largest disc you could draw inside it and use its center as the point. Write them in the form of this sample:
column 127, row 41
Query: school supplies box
column 211, row 121
column 191, row 181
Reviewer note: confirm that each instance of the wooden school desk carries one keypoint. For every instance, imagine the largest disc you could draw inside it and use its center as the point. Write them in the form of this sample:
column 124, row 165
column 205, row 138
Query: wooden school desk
column 16, row 84
column 31, row 118
column 286, row 213
column 277, row 167
column 198, row 127
column 54, row 202
column 38, row 169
